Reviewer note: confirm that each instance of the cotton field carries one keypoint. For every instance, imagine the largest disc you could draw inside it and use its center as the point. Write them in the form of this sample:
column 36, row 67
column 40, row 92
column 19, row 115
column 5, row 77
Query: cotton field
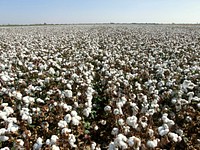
column 95, row 87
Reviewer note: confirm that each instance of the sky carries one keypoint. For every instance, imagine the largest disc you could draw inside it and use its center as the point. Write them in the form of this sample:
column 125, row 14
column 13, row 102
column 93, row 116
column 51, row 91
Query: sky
column 99, row 11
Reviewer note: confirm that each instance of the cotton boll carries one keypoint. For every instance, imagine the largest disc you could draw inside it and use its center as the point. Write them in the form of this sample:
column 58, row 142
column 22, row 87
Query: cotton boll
column 68, row 93
column 51, row 71
column 72, row 140
column 68, row 118
column 115, row 131
column 120, row 141
column 20, row 142
column 150, row 132
column 3, row 131
column 163, row 130
column 65, row 131
column 107, row 108
column 93, row 146
column 174, row 137
column 4, row 138
column 131, row 141
column 132, row 121
column 112, row 146
column 116, row 111
column 54, row 139
column 75, row 120
column 39, row 141
column 87, row 111
column 121, row 122
column 5, row 148
column 126, row 129
column 17, row 95
column 62, row 124
column 54, row 147
column 152, row 143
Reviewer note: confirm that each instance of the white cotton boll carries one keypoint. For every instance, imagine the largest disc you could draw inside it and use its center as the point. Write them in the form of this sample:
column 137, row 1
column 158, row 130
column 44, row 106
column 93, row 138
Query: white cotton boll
column 20, row 142
column 163, row 130
column 131, row 141
column 39, row 141
column 54, row 147
column 73, row 113
column 96, row 127
column 121, row 122
column 5, row 148
column 103, row 122
column 51, row 71
column 68, row 93
column 48, row 142
column 67, row 107
column 72, row 140
column 39, row 100
column 174, row 137
column 65, row 131
column 17, row 95
column 62, row 124
column 5, row 78
column 13, row 128
column 93, row 145
column 116, row 111
column 4, row 138
column 3, row 115
column 87, row 111
column 3, row 131
column 150, row 132
column 152, row 143
column 54, row 139
column 8, row 110
column 28, row 99
column 68, row 118
column 69, row 86
column 126, row 129
column 107, row 108
column 112, row 146
column 36, row 146
column 115, row 131
column 120, row 141
column 134, row 108
column 198, row 105
column 132, row 121
column 76, row 120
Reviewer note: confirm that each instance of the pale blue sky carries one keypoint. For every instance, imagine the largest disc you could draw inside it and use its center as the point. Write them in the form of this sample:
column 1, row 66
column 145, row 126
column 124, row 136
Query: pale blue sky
column 99, row 11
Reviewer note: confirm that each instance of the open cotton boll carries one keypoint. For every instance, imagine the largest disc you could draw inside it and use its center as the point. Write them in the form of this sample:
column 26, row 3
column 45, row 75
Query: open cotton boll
column 5, row 78
column 51, row 71
column 167, row 120
column 62, row 124
column 174, row 137
column 17, row 95
column 163, row 130
column 54, row 139
column 115, row 131
column 38, row 144
column 93, row 146
column 68, row 118
column 65, row 131
column 68, row 93
column 152, row 143
column 54, row 147
column 4, row 138
column 132, row 121
column 87, row 111
column 28, row 99
column 72, row 140
column 120, row 141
